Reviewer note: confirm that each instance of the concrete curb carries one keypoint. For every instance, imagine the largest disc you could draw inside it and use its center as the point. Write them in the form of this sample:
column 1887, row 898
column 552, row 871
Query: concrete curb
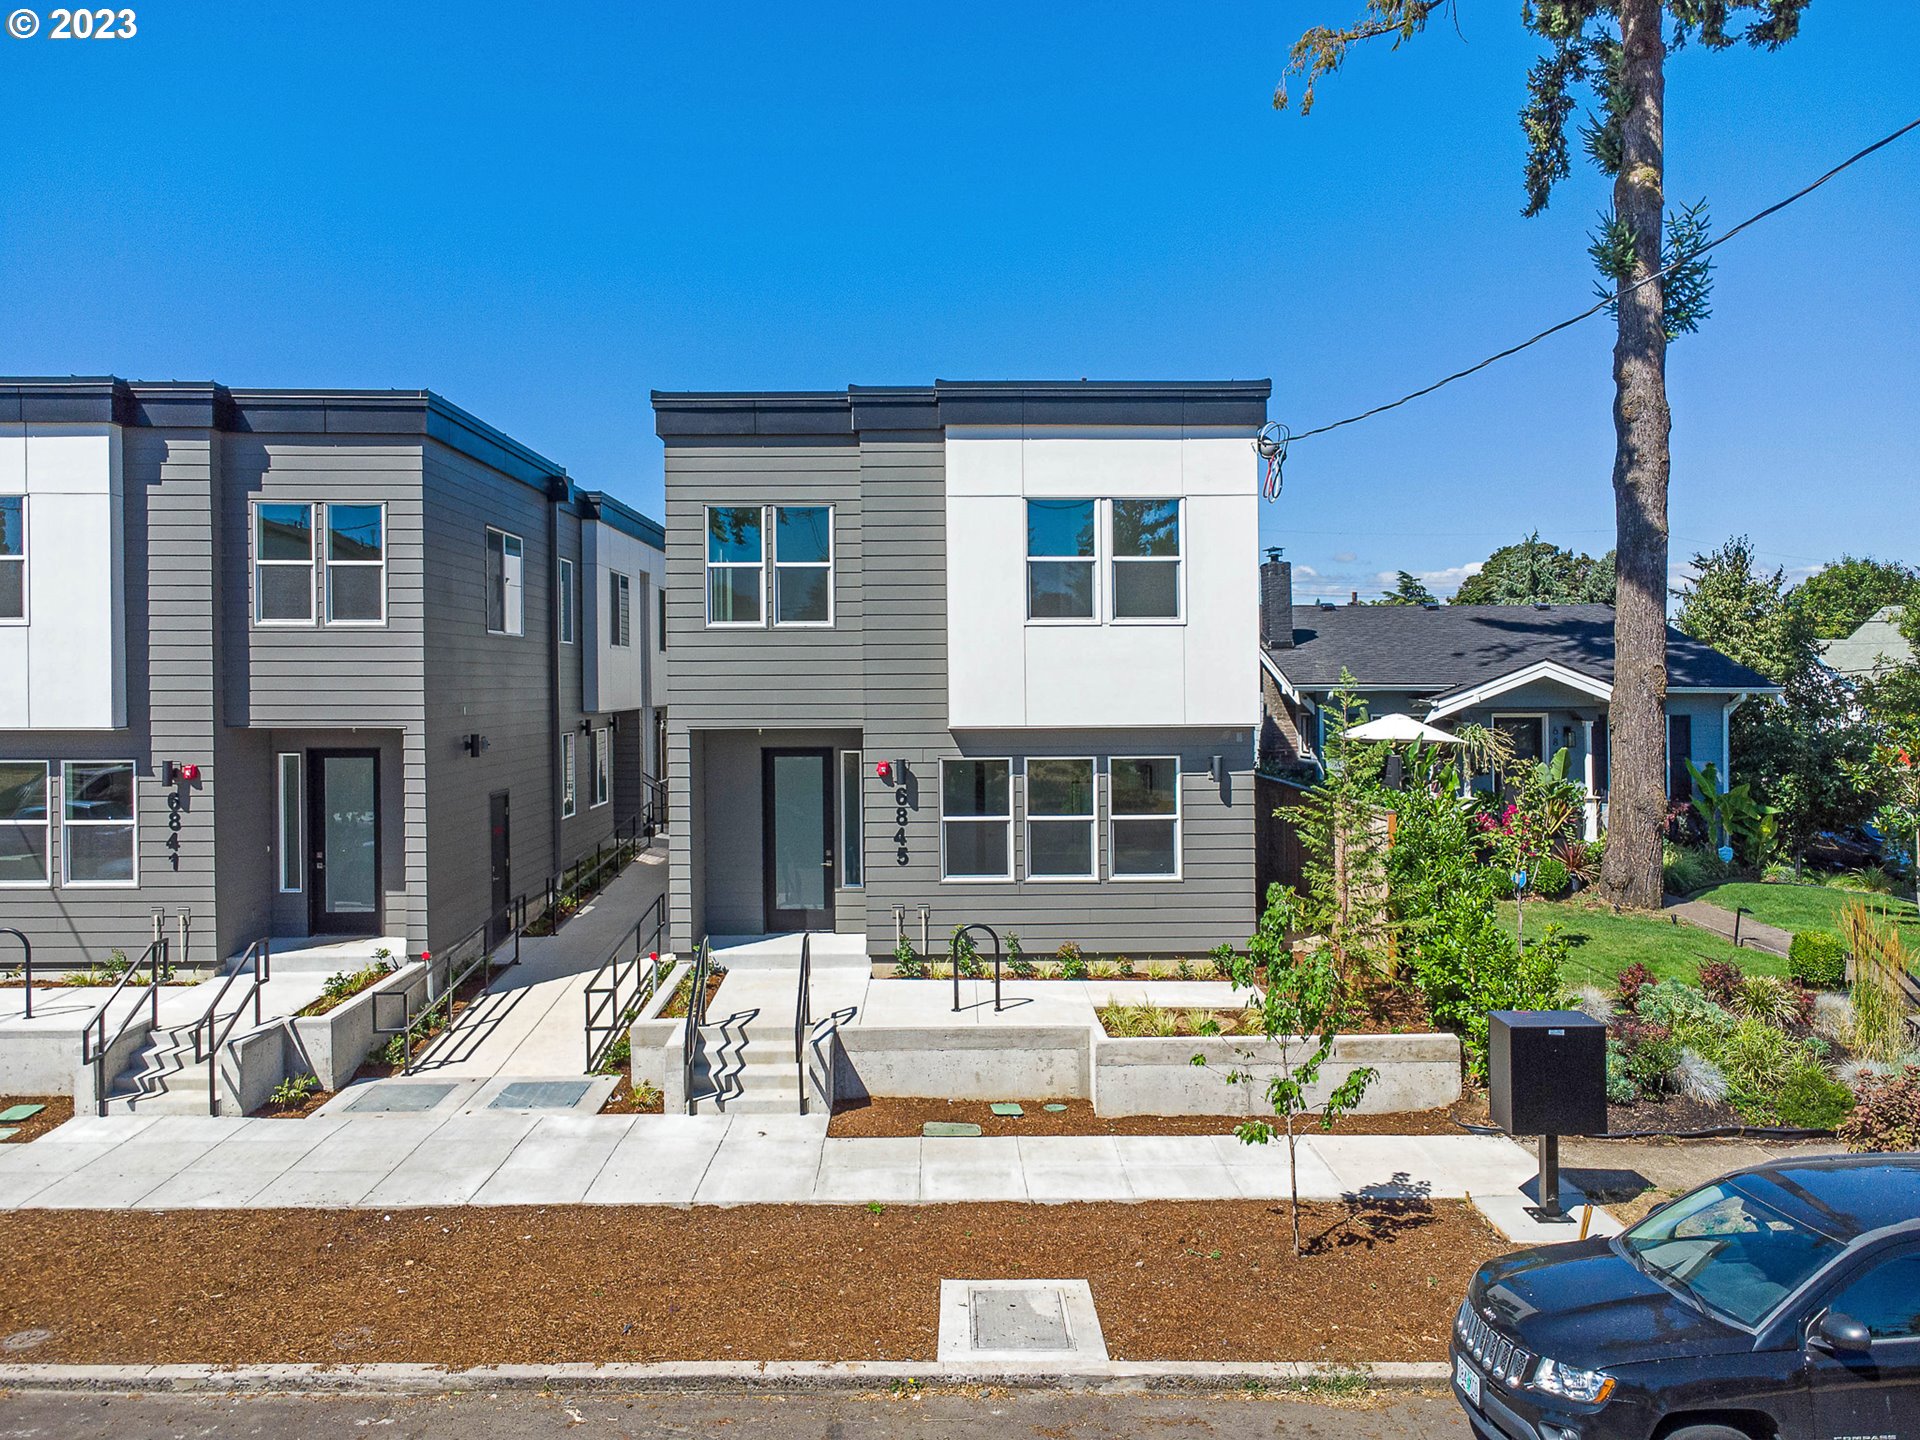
column 728, row 1375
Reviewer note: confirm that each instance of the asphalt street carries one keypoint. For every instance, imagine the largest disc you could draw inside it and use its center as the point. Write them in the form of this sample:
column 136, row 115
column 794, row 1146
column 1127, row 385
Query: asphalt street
column 1052, row 1415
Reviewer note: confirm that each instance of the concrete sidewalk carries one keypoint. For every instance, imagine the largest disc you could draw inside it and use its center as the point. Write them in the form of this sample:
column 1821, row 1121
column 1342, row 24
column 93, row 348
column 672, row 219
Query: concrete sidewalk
column 486, row 1157
column 1718, row 920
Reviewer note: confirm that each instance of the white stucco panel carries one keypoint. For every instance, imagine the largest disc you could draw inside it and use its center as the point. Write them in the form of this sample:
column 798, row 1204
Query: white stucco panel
column 986, row 611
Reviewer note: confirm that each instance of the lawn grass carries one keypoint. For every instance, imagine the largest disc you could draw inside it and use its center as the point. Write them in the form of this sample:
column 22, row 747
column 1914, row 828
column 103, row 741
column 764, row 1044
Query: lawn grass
column 1604, row 944
column 1808, row 907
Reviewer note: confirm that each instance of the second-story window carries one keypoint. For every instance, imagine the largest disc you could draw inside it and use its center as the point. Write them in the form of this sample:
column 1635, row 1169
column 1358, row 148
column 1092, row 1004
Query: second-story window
column 283, row 564
column 13, row 557
column 566, row 602
column 506, row 559
column 802, row 565
column 356, row 565
column 1146, row 559
column 1060, row 559
column 736, row 565
column 619, row 610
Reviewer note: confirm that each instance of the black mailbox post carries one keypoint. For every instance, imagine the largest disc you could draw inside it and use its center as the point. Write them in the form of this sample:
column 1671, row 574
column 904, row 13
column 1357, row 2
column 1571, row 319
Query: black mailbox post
column 1547, row 1076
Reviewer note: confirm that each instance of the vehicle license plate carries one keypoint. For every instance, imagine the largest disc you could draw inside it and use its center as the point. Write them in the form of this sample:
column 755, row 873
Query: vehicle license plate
column 1467, row 1378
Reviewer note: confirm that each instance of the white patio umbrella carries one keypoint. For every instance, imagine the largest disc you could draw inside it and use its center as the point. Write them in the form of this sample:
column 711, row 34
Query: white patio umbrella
column 1402, row 729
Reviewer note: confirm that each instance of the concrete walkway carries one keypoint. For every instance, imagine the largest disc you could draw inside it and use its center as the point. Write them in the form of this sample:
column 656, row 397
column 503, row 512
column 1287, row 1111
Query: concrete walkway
column 1724, row 923
column 455, row 1156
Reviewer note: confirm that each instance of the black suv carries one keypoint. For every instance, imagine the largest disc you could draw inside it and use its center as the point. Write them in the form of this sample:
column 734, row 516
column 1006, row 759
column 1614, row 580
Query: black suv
column 1778, row 1301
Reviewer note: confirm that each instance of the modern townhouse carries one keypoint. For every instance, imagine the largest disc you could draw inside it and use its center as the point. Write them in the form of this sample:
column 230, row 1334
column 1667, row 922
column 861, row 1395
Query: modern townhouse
column 303, row 663
column 985, row 650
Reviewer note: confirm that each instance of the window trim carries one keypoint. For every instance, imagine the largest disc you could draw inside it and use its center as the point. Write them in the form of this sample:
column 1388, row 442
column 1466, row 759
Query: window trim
column 710, row 565
column 24, row 560
column 619, row 610
column 569, row 775
column 569, row 603
column 323, row 534
column 1178, row 560
column 1091, row 819
column 45, row 823
column 1178, row 817
column 945, row 820
column 513, row 617
column 602, row 790
column 311, row 564
column 133, row 824
column 287, row 862
column 853, row 821
column 776, row 565
column 1096, row 562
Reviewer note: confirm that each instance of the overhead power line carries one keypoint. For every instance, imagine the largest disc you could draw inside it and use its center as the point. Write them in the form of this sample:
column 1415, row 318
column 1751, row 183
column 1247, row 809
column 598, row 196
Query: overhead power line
column 1587, row 314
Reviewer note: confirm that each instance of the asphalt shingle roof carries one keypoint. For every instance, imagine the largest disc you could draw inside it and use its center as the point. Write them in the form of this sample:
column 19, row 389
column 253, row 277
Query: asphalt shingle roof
column 1454, row 646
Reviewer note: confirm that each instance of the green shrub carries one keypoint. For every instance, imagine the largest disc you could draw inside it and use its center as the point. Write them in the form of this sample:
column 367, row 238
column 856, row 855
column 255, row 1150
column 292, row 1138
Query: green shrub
column 295, row 1089
column 1073, row 965
column 1687, row 871
column 1550, row 879
column 1690, row 1015
column 1018, row 965
column 906, row 964
column 966, row 955
column 1887, row 1115
column 1622, row 1088
column 619, row 1055
column 1813, row 1100
column 1818, row 959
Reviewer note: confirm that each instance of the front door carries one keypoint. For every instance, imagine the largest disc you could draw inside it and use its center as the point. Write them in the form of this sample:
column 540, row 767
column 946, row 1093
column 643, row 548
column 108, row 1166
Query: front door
column 499, row 828
column 796, row 788
column 343, row 849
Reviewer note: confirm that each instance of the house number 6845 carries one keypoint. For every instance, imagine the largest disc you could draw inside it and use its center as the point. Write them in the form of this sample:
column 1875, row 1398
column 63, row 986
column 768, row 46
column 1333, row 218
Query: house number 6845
column 900, row 822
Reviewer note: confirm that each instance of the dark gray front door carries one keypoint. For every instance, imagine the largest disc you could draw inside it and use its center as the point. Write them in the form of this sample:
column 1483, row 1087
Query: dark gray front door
column 797, row 813
column 343, row 842
column 499, row 827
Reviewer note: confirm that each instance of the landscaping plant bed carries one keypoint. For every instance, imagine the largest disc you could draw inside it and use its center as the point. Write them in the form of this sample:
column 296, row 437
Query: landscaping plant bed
column 676, row 1006
column 59, row 1110
column 295, row 1110
column 623, row 1101
column 1182, row 1280
column 875, row 1118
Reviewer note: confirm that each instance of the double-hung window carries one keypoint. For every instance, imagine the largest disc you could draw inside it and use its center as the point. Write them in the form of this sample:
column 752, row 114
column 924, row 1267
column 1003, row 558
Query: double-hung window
column 568, row 797
column 600, row 768
column 976, row 819
column 23, row 823
column 282, row 563
column 619, row 610
column 802, row 565
column 356, row 565
column 1060, row 560
column 97, row 825
column 506, row 562
column 1143, row 817
column 566, row 602
column 13, row 557
column 291, row 849
column 1060, row 819
column 1146, row 559
column 736, row 565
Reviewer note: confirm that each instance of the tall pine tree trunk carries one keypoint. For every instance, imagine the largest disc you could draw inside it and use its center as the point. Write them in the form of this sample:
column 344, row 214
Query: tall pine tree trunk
column 1637, row 803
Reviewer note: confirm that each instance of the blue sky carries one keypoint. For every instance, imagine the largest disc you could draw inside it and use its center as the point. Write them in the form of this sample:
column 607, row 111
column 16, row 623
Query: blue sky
column 543, row 212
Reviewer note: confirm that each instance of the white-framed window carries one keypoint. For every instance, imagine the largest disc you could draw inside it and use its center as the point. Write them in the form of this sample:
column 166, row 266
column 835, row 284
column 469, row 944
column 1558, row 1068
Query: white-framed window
column 283, row 563
column 1145, row 548
column 853, row 821
column 567, row 598
column 23, row 825
column 292, row 849
column 568, row 785
column 736, row 565
column 98, row 832
column 1061, row 560
column 976, row 819
column 356, row 564
column 1527, row 729
column 1060, row 818
column 619, row 610
column 506, row 583
column 1143, row 817
column 601, row 768
column 13, row 559
column 803, row 565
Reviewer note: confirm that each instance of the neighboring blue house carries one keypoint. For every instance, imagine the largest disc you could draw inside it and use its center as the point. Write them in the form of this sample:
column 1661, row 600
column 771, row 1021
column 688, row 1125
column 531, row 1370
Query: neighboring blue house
column 1542, row 673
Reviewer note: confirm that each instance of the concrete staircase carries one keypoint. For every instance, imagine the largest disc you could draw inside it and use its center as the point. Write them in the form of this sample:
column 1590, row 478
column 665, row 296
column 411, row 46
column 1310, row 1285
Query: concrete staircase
column 734, row 1074
column 162, row 1077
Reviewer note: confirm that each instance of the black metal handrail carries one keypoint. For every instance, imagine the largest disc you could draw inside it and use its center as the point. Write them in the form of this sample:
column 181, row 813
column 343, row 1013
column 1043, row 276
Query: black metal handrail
column 26, row 969
column 803, row 1015
column 628, row 840
column 965, row 930
column 259, row 962
column 458, row 972
column 607, row 1014
column 94, row 1041
column 696, row 1016
column 654, row 811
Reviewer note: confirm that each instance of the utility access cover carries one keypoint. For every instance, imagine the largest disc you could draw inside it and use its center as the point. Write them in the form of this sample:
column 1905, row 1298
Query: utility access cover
column 1025, row 1319
column 392, row 1097
column 1050, row 1323
column 540, row 1095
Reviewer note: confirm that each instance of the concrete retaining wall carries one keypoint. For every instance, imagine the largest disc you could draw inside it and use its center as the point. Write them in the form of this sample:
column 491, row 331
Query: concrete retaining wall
column 331, row 1046
column 965, row 1062
column 1158, row 1076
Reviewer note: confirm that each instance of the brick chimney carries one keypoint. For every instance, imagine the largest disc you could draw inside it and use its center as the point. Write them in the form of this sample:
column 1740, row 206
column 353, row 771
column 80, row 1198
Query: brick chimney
column 1276, row 602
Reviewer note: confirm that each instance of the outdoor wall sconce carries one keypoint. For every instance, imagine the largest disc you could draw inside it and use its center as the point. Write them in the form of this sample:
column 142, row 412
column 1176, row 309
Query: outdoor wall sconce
column 1215, row 765
column 179, row 773
column 474, row 744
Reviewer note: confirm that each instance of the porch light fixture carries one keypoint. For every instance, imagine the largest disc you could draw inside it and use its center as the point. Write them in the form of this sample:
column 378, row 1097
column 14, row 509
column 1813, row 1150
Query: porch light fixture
column 174, row 772
column 474, row 744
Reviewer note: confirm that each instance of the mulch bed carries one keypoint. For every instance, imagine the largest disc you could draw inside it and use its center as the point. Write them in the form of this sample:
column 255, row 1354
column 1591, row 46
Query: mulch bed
column 1172, row 1280
column 1671, row 1112
column 875, row 1117
column 300, row 1111
column 59, row 1110
column 676, row 1006
column 623, row 1102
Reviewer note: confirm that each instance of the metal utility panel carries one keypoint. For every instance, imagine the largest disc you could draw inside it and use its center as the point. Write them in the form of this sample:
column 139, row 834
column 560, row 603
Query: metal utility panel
column 1547, row 1072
